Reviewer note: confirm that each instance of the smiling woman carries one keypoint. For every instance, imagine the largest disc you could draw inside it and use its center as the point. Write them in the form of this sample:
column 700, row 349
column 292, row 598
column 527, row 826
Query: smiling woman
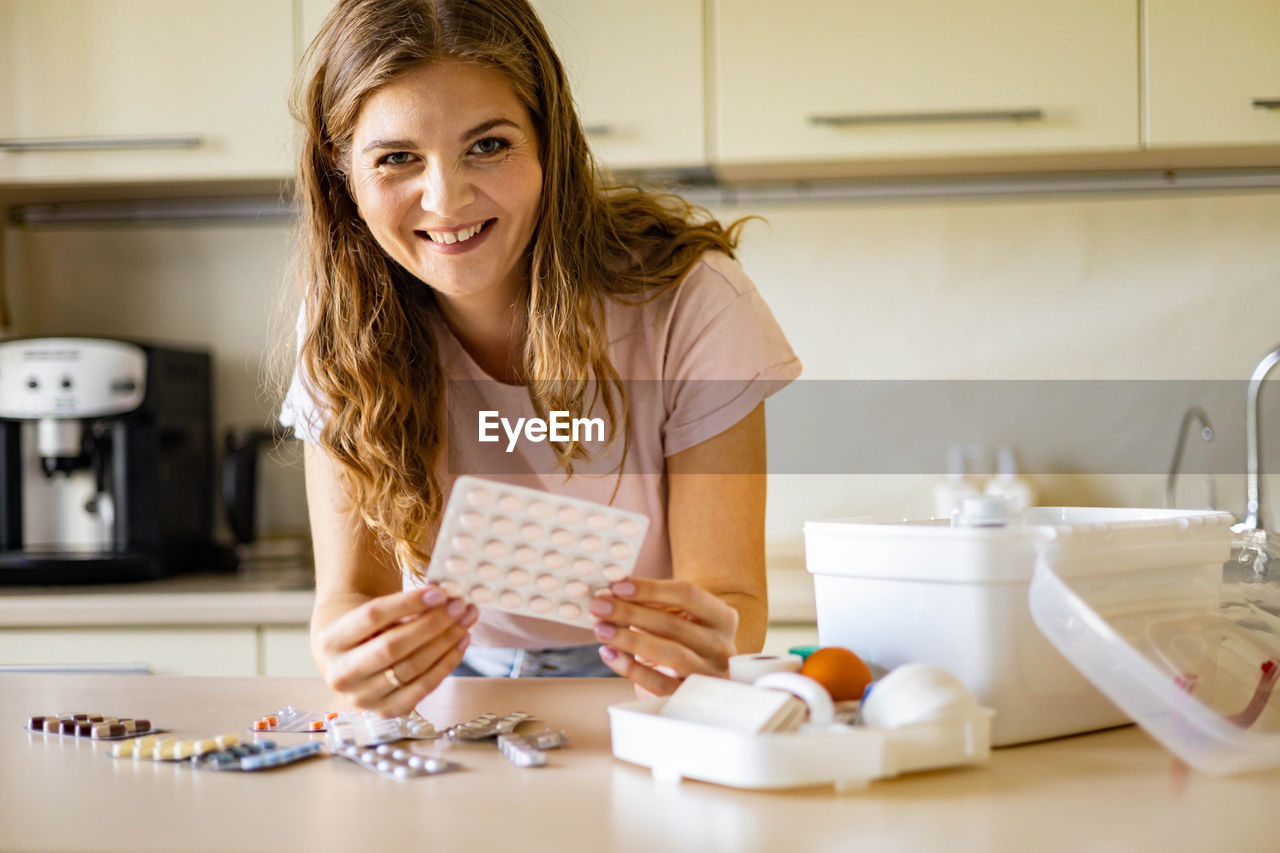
column 459, row 253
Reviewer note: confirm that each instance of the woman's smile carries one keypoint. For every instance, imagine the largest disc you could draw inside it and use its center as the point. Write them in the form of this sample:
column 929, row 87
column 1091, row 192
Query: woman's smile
column 457, row 241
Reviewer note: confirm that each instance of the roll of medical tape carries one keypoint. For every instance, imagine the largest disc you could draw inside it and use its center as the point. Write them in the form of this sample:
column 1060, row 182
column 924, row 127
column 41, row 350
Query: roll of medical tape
column 821, row 709
column 747, row 668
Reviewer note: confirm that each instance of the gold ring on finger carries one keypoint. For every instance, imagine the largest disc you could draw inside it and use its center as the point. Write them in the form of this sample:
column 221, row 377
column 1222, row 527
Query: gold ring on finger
column 390, row 673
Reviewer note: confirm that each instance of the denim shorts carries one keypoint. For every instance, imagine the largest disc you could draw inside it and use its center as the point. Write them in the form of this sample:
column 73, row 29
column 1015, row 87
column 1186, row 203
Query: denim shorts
column 568, row 662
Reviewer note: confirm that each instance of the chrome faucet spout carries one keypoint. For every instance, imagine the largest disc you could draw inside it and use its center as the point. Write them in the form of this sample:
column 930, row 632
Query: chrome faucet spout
column 1253, row 441
column 1206, row 432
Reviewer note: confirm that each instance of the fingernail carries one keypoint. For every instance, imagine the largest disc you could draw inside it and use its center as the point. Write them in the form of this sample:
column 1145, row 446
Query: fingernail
column 623, row 588
column 472, row 614
column 456, row 608
column 606, row 630
column 434, row 597
column 601, row 606
column 464, row 642
column 607, row 654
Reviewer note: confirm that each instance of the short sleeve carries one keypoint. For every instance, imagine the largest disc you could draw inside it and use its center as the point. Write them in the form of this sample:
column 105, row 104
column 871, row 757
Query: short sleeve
column 725, row 353
column 299, row 409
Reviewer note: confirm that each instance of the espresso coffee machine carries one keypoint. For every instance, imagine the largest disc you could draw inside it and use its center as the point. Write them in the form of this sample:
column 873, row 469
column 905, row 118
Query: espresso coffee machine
column 107, row 462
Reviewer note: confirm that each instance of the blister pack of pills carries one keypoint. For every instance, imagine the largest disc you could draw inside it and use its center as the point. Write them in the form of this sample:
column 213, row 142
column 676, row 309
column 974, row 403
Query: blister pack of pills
column 547, row 739
column 521, row 752
column 156, row 748
column 531, row 552
column 96, row 726
column 291, row 719
column 396, row 762
column 258, row 755
column 486, row 726
column 356, row 727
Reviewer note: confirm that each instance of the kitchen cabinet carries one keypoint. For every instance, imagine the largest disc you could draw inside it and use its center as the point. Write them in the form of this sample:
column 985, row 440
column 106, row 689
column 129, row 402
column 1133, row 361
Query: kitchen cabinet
column 863, row 79
column 285, row 650
column 98, row 91
column 635, row 70
column 184, row 625
column 204, row 650
column 311, row 15
column 1212, row 72
column 276, row 650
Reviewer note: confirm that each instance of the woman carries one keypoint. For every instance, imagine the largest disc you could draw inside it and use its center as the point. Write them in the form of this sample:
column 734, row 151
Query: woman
column 457, row 254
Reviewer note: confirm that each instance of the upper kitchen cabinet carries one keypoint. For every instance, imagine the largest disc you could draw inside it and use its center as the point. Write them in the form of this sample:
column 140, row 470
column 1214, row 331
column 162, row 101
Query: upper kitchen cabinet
column 1213, row 72
column 312, row 14
column 849, row 80
column 636, row 74
column 95, row 91
column 635, row 70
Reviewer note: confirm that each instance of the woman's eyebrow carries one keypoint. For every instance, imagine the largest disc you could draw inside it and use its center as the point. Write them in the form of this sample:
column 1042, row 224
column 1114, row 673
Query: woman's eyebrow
column 400, row 144
column 387, row 143
column 487, row 126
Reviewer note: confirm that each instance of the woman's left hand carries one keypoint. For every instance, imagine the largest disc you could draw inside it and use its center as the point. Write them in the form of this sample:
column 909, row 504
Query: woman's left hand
column 657, row 632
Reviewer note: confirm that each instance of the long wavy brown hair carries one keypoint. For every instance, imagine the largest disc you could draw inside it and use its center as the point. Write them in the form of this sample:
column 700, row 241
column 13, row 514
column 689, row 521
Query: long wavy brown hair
column 366, row 352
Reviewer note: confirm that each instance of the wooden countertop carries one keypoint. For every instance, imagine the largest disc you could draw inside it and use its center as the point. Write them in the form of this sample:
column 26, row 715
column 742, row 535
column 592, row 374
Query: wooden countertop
column 1115, row 790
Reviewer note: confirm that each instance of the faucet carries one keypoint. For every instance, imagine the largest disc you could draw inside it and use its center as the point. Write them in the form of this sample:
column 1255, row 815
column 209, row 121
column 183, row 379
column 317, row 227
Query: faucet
column 1206, row 433
column 1253, row 441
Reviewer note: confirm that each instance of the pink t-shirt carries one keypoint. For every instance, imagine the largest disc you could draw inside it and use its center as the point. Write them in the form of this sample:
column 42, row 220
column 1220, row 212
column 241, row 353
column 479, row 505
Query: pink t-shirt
column 695, row 362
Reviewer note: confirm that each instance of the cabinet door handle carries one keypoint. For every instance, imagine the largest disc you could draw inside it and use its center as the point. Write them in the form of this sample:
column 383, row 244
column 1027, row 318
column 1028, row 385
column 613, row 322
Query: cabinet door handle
column 953, row 116
column 1267, row 103
column 99, row 143
column 599, row 130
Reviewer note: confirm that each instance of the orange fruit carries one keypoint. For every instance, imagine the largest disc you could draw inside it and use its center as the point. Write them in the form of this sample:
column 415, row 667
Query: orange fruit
column 843, row 673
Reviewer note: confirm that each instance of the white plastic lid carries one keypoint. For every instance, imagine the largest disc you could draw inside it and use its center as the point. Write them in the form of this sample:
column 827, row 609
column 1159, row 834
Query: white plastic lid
column 981, row 511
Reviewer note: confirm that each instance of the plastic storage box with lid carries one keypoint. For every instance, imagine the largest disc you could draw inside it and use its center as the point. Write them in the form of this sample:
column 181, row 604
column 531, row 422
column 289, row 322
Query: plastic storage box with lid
column 957, row 597
column 1192, row 656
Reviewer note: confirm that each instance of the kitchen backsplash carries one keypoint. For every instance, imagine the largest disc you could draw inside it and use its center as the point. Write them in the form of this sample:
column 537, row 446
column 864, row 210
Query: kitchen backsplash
column 1155, row 286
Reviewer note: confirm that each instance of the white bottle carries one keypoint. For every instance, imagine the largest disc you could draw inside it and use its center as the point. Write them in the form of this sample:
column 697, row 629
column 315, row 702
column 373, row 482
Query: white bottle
column 957, row 485
column 1007, row 484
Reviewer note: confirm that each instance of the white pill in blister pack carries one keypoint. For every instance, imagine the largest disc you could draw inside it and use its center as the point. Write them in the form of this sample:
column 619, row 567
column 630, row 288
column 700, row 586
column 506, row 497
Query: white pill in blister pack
column 531, row 552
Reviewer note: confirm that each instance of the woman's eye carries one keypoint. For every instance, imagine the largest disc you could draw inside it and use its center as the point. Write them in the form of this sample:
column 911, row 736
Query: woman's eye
column 396, row 158
column 490, row 145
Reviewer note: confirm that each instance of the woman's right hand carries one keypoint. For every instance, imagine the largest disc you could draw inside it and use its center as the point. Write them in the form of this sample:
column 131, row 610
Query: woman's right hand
column 387, row 654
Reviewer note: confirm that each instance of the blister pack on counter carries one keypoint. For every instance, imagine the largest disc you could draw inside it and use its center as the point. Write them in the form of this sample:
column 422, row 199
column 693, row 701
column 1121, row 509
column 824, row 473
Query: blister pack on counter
column 156, row 748
column 369, row 729
column 487, row 726
column 530, row 750
column 259, row 755
column 531, row 552
column 396, row 762
column 96, row 726
column 362, row 725
column 291, row 719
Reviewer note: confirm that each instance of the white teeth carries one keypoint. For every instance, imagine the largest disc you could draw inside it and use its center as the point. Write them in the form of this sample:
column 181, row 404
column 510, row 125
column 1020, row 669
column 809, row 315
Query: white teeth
column 455, row 236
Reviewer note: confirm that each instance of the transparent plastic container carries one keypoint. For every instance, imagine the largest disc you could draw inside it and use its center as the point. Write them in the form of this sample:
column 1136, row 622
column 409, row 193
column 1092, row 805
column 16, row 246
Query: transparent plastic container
column 957, row 597
column 1189, row 656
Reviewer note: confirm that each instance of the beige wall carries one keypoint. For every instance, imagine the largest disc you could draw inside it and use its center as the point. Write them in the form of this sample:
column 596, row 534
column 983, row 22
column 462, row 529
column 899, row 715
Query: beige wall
column 1151, row 286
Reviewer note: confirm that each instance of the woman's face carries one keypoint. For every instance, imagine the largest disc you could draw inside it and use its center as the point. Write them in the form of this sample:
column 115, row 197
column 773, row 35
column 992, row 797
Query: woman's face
column 445, row 172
